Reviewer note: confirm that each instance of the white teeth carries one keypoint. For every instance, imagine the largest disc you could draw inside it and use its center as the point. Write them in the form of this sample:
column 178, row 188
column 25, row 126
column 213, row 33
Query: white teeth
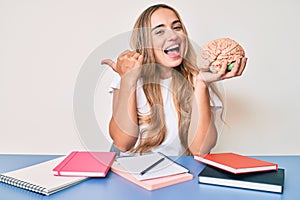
column 172, row 47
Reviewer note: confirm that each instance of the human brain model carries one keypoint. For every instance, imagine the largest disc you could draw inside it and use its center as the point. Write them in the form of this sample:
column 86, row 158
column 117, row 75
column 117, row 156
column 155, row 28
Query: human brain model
column 215, row 52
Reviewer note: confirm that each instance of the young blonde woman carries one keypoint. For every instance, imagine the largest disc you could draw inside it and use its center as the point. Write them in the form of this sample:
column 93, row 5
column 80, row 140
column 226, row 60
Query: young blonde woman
column 161, row 100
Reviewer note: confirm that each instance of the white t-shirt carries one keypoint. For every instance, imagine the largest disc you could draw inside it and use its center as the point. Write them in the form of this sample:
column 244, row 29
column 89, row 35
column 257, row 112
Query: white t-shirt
column 171, row 145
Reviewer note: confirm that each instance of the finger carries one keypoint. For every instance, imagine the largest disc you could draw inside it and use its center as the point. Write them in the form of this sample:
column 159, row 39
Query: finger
column 136, row 55
column 223, row 68
column 243, row 65
column 110, row 63
column 124, row 53
column 232, row 72
column 237, row 69
column 140, row 59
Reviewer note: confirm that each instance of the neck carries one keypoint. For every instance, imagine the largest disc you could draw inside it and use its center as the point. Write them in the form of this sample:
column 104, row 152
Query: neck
column 165, row 72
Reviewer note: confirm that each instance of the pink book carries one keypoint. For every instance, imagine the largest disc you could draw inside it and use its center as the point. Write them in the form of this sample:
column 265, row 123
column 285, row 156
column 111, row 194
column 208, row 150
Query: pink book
column 152, row 184
column 85, row 164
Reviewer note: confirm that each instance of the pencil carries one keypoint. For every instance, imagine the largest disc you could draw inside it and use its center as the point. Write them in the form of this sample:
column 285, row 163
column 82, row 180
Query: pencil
column 151, row 166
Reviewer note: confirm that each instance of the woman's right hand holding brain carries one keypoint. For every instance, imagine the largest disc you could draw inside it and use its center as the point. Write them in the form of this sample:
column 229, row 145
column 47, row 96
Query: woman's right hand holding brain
column 216, row 56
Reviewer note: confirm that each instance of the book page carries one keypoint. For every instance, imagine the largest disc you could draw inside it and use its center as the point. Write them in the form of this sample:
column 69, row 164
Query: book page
column 136, row 164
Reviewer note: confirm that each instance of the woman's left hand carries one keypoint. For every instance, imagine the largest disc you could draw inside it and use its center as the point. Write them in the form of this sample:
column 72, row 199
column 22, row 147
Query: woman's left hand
column 237, row 70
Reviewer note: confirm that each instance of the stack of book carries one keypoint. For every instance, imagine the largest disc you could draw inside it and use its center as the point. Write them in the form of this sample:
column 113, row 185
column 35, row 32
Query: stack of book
column 234, row 170
column 151, row 171
column 52, row 176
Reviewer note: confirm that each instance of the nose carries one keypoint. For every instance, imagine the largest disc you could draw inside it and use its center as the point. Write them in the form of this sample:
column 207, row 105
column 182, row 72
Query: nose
column 171, row 35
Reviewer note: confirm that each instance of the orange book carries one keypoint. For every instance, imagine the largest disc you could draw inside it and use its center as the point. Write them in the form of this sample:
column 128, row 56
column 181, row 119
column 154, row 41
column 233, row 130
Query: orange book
column 85, row 164
column 152, row 184
column 236, row 163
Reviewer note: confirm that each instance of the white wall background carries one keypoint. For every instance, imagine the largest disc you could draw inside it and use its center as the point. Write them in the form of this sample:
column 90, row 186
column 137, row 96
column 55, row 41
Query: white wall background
column 44, row 45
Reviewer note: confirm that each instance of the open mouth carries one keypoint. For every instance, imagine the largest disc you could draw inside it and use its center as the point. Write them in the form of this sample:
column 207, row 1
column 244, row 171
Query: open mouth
column 173, row 51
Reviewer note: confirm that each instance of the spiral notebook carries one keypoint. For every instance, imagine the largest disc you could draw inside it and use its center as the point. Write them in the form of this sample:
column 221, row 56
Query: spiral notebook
column 39, row 178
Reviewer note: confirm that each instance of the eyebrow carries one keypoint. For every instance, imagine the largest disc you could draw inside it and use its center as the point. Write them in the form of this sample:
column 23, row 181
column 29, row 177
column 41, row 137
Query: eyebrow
column 162, row 25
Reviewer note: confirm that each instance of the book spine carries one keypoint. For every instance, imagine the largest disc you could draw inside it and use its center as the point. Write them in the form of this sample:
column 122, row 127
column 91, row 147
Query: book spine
column 23, row 184
column 217, row 165
column 59, row 168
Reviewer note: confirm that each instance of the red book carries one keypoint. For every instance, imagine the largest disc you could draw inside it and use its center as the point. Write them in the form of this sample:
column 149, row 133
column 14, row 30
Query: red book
column 236, row 163
column 86, row 164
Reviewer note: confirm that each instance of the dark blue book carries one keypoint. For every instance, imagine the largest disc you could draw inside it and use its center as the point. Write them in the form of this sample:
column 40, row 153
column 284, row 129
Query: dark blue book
column 270, row 181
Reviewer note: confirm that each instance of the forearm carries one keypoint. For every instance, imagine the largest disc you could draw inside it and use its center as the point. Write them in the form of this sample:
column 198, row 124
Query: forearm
column 202, row 135
column 123, row 126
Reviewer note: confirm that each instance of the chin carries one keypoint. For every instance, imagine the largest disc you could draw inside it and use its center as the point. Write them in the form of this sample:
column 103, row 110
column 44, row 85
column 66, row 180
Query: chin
column 167, row 62
column 176, row 63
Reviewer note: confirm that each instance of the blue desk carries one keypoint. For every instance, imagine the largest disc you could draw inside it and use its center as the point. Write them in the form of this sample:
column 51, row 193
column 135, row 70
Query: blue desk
column 115, row 187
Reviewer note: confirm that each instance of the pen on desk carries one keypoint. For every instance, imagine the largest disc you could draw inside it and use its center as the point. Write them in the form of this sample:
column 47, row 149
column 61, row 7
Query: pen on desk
column 151, row 166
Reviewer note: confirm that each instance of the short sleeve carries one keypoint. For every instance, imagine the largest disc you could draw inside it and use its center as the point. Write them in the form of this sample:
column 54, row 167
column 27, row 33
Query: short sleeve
column 115, row 83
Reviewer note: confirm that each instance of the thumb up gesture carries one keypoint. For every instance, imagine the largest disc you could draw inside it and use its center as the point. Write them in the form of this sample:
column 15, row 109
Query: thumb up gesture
column 128, row 61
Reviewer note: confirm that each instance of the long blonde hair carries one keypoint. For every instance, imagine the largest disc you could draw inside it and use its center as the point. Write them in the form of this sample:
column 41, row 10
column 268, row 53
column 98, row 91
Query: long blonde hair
column 181, row 86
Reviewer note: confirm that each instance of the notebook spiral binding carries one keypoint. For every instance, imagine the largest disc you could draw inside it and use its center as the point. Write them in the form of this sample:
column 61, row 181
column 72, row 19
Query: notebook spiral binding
column 23, row 184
